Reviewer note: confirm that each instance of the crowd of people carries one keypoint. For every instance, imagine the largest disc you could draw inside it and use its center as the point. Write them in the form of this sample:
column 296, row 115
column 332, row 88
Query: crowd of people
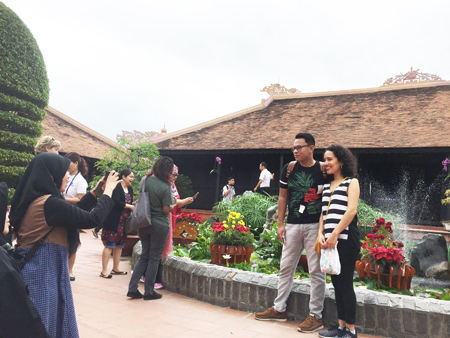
column 51, row 205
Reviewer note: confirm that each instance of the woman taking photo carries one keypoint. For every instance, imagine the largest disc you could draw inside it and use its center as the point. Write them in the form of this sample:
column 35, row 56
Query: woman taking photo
column 153, row 238
column 113, row 234
column 38, row 207
column 337, row 225
column 74, row 193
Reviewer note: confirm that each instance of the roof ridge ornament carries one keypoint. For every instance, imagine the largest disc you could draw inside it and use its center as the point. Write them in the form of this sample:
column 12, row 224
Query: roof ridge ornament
column 412, row 76
column 276, row 88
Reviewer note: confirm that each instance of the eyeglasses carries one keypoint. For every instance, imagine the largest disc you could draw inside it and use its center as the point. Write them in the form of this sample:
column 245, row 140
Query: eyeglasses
column 299, row 147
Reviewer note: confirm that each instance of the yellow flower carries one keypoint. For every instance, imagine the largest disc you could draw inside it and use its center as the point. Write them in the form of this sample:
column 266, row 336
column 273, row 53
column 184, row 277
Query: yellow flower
column 225, row 226
column 242, row 216
column 234, row 222
column 233, row 226
column 238, row 215
column 228, row 210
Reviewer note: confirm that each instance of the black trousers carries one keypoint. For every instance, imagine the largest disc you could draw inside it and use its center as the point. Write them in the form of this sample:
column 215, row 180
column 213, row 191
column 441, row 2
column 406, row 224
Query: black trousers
column 343, row 283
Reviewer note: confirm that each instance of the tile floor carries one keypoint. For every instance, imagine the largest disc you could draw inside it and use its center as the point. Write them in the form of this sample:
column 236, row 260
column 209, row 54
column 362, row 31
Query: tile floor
column 103, row 310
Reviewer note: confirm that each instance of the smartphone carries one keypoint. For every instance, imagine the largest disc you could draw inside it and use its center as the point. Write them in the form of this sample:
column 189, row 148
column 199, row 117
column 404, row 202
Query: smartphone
column 106, row 174
column 195, row 196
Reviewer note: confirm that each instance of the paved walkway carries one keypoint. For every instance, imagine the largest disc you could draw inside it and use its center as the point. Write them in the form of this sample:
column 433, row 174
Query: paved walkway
column 103, row 310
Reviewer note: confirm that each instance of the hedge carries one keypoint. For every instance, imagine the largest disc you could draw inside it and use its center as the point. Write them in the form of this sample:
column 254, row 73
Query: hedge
column 18, row 142
column 11, row 174
column 22, row 68
column 21, row 125
column 24, row 94
column 21, row 107
column 14, row 158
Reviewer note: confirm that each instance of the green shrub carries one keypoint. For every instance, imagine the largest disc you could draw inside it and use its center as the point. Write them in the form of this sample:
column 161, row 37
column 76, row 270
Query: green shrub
column 22, row 69
column 254, row 206
column 24, row 93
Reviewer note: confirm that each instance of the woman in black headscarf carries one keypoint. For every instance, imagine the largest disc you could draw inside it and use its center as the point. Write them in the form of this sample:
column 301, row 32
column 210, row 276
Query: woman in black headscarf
column 38, row 207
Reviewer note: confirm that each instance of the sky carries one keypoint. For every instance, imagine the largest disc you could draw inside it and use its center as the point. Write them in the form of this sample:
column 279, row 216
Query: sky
column 142, row 64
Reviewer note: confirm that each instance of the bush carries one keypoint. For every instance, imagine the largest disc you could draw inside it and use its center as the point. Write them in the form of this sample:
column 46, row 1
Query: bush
column 24, row 92
column 254, row 206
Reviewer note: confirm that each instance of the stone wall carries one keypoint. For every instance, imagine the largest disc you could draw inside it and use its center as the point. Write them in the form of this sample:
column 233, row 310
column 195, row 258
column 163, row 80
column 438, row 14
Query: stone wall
column 381, row 314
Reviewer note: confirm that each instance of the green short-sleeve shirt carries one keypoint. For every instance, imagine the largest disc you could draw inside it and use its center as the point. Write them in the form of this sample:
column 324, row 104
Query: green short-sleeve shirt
column 160, row 194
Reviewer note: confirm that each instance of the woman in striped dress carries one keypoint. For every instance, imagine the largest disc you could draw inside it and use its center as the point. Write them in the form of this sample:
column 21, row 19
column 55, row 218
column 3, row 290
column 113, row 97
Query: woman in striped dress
column 337, row 225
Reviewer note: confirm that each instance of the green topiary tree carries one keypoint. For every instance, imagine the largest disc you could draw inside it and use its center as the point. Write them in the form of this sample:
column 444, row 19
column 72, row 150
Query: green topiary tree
column 24, row 94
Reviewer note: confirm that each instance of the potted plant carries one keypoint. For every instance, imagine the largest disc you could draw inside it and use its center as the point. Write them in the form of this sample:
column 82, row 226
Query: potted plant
column 380, row 249
column 186, row 228
column 232, row 239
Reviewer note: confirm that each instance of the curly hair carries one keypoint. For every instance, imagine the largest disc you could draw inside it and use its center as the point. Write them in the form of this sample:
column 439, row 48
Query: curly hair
column 163, row 168
column 347, row 159
column 46, row 141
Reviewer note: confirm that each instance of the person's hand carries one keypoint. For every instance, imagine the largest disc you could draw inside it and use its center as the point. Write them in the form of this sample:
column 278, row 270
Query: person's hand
column 131, row 207
column 189, row 200
column 111, row 183
column 322, row 241
column 255, row 189
column 281, row 233
column 331, row 241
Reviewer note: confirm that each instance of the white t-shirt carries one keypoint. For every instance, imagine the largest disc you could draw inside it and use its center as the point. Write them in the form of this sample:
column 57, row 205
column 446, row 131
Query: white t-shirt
column 77, row 185
column 265, row 176
column 230, row 195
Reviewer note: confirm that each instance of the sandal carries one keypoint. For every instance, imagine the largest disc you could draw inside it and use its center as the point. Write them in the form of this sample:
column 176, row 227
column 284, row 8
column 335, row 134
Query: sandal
column 114, row 272
column 72, row 278
column 105, row 276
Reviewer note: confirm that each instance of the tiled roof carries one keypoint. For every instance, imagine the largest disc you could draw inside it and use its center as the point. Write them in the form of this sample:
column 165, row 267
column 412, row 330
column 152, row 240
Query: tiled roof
column 75, row 136
column 397, row 116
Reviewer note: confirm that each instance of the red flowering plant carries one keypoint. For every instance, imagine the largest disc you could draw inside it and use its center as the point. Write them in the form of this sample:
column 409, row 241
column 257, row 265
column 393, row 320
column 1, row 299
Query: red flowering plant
column 232, row 231
column 379, row 246
column 192, row 218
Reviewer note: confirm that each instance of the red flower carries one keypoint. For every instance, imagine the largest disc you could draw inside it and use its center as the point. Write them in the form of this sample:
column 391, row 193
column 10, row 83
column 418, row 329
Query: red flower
column 389, row 224
column 370, row 236
column 218, row 227
column 380, row 221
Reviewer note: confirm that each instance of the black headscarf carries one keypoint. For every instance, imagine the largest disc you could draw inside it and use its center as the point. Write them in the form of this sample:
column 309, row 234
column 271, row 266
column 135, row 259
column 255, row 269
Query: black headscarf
column 43, row 176
column 3, row 208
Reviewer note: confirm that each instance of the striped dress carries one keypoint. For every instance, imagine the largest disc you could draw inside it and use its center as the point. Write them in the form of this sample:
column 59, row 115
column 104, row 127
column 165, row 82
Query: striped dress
column 338, row 207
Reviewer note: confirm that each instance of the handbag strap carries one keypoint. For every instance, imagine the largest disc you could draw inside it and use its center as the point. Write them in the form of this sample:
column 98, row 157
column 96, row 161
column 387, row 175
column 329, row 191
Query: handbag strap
column 329, row 201
column 35, row 248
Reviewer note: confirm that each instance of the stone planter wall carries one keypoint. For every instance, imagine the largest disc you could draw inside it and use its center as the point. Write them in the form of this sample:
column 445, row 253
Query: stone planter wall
column 382, row 314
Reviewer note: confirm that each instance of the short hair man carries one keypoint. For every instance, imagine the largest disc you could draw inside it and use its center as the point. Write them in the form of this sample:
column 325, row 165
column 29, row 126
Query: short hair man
column 228, row 190
column 300, row 191
column 264, row 179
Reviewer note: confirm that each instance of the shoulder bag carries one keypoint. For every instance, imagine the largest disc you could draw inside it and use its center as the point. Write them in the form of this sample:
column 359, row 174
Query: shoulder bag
column 141, row 216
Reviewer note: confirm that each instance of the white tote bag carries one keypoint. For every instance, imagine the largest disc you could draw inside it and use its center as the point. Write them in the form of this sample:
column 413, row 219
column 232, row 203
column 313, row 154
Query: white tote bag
column 329, row 261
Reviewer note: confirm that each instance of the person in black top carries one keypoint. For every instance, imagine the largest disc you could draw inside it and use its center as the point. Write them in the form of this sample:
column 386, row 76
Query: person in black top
column 338, row 226
column 38, row 209
column 300, row 192
column 113, row 226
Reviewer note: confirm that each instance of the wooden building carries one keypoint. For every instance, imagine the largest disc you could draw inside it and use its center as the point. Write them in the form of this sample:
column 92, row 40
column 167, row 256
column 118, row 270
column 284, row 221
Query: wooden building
column 398, row 133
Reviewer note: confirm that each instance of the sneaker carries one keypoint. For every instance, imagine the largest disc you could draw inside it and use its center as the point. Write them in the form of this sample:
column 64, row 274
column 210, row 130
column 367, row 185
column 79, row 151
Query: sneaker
column 142, row 279
column 155, row 295
column 348, row 334
column 311, row 324
column 333, row 331
column 158, row 286
column 95, row 232
column 135, row 294
column 271, row 314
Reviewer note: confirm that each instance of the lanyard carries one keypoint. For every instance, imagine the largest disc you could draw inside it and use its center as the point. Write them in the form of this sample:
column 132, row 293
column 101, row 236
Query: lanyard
column 71, row 182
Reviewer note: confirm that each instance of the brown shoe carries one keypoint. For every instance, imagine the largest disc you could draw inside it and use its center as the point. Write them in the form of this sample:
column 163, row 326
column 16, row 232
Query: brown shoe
column 311, row 324
column 271, row 314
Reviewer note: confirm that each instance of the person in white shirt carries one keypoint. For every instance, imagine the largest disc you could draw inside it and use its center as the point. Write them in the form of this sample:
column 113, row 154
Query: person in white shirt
column 264, row 179
column 228, row 191
column 75, row 190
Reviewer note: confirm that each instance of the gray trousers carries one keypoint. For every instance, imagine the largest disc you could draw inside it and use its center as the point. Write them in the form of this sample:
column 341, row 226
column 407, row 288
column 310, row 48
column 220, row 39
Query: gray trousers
column 153, row 239
column 297, row 238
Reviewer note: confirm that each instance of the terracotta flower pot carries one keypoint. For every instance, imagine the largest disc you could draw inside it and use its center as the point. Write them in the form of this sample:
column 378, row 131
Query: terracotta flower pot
column 238, row 254
column 248, row 253
column 214, row 253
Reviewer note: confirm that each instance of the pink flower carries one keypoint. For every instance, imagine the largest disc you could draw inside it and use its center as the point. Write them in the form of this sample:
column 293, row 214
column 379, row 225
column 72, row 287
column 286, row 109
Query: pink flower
column 218, row 160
